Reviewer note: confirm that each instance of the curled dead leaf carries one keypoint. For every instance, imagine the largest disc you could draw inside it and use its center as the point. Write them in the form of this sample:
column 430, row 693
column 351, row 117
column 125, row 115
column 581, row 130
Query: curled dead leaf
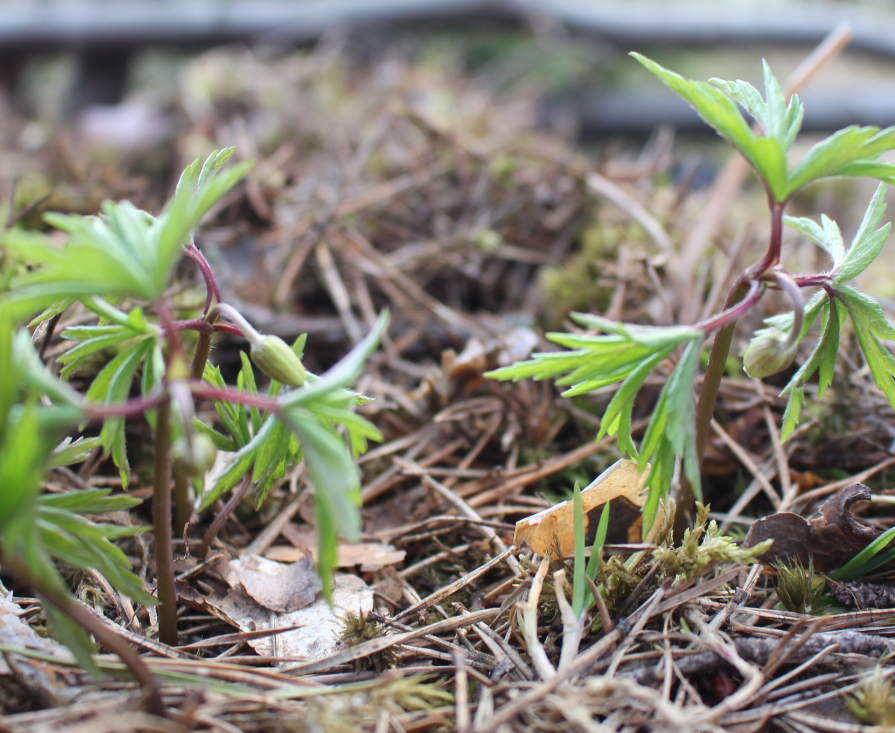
column 831, row 539
column 552, row 528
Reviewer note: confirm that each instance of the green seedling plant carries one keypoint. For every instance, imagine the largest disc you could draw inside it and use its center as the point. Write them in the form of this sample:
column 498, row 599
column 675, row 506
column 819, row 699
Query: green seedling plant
column 610, row 353
column 120, row 267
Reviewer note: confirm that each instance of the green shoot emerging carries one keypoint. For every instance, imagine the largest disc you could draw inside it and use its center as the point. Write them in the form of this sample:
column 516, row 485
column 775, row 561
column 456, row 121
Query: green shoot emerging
column 626, row 354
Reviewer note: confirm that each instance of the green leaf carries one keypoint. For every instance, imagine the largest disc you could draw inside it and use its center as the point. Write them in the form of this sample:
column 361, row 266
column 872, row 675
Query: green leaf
column 81, row 543
column 123, row 251
column 870, row 323
column 868, row 241
column 23, row 450
column 766, row 154
column 866, row 312
column 653, row 337
column 846, row 152
column 91, row 501
column 834, row 246
column 657, row 482
column 240, row 463
column 67, row 453
column 359, row 429
column 271, row 455
column 671, row 433
column 53, row 310
column 810, row 366
column 30, row 371
column 617, row 418
column 830, row 349
column 336, row 481
column 74, row 358
column 748, row 97
column 117, row 387
column 863, row 562
column 778, row 118
column 598, row 360
column 343, row 373
column 74, row 637
column 880, row 361
column 196, row 193
column 882, row 171
column 221, row 441
column 248, row 374
column 593, row 562
column 793, row 412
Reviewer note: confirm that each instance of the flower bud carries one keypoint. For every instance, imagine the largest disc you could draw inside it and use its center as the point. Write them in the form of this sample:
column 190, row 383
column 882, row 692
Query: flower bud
column 768, row 354
column 277, row 360
column 197, row 461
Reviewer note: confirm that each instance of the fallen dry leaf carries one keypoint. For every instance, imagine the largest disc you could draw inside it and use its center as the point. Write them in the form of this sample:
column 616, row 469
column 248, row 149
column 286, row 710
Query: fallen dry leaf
column 465, row 371
column 311, row 631
column 831, row 539
column 370, row 556
column 806, row 481
column 48, row 683
column 621, row 484
column 274, row 585
column 320, row 624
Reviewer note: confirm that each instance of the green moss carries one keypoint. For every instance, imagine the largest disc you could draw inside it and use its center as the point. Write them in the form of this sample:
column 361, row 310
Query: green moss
column 576, row 284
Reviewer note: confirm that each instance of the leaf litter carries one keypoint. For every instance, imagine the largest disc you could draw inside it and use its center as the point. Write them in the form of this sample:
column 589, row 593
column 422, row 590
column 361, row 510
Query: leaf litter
column 396, row 184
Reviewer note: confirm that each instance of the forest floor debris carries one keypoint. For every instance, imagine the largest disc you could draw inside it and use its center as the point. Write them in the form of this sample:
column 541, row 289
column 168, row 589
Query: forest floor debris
column 396, row 184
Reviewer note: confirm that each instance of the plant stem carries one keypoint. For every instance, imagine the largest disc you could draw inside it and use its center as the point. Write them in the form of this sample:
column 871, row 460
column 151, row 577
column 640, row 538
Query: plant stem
column 248, row 331
column 201, row 389
column 135, row 406
column 211, row 285
column 235, row 498
column 182, row 508
column 714, row 372
column 791, row 288
column 730, row 315
column 92, row 625
column 203, row 326
column 161, row 519
column 200, row 356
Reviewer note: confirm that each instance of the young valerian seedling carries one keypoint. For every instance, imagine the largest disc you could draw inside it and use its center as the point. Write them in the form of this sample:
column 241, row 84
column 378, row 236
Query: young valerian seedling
column 626, row 354
column 120, row 265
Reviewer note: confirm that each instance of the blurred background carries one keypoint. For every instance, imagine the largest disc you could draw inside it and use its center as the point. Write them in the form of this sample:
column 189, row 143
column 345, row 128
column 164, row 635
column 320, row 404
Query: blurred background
column 479, row 167
column 454, row 126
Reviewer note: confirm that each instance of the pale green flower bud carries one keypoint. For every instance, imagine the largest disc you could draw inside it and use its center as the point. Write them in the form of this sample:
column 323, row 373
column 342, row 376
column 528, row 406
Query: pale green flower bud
column 197, row 461
column 277, row 360
column 768, row 354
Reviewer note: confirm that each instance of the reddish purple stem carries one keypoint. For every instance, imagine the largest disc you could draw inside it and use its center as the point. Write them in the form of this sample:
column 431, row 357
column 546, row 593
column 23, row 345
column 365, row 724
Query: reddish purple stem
column 211, row 285
column 202, row 389
column 203, row 326
column 129, row 407
column 809, row 281
column 756, row 290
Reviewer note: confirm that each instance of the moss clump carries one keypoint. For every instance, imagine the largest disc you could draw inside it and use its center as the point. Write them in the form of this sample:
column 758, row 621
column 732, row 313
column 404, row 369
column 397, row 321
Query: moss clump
column 361, row 627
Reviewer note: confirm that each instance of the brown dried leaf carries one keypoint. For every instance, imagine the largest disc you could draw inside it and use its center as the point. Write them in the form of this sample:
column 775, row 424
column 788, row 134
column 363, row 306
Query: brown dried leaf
column 831, row 539
column 621, row 483
column 276, row 586
column 369, row 555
